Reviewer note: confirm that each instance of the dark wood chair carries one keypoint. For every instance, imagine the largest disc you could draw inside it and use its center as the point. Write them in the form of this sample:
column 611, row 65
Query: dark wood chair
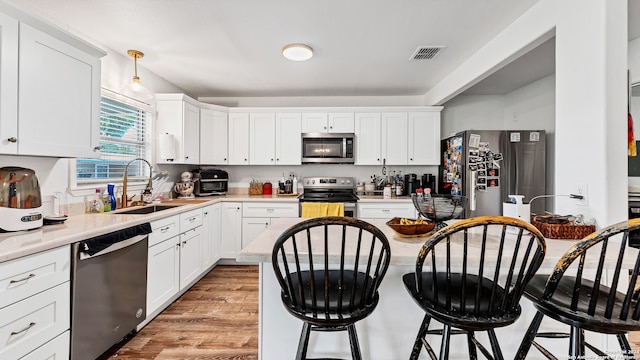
column 476, row 273
column 329, row 269
column 582, row 301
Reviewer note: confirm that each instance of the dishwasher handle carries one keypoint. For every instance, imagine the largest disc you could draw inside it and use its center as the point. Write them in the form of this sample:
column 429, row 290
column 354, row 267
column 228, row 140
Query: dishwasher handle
column 83, row 255
column 97, row 244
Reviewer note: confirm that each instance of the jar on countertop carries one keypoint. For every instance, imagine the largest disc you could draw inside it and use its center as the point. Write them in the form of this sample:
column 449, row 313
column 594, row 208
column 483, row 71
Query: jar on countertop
column 267, row 188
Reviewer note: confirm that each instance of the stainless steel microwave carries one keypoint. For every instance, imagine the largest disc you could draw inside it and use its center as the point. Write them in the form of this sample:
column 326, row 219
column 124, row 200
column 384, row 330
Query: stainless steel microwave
column 328, row 148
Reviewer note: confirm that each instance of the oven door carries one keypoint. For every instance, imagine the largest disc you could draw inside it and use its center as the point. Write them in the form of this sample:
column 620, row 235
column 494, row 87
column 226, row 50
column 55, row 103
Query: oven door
column 206, row 187
column 350, row 209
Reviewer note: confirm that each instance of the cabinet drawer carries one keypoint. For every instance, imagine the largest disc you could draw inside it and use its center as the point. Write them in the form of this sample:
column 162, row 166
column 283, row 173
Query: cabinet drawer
column 164, row 229
column 28, row 324
column 190, row 219
column 272, row 210
column 386, row 211
column 23, row 277
column 57, row 348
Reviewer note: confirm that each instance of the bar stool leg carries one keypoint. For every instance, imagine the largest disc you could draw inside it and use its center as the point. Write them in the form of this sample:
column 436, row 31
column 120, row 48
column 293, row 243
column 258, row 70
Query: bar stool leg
column 625, row 346
column 422, row 332
column 353, row 340
column 301, row 354
column 495, row 346
column 473, row 354
column 576, row 346
column 529, row 337
column 444, row 346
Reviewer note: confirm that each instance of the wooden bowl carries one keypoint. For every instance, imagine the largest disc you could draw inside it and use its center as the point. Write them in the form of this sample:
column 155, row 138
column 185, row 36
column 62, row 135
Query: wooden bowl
column 410, row 229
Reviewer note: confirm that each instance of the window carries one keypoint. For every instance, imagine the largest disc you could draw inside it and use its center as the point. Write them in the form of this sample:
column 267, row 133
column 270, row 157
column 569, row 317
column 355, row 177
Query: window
column 124, row 136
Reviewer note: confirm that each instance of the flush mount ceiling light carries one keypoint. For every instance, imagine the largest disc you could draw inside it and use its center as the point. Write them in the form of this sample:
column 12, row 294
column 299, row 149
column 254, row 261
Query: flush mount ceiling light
column 297, row 52
column 135, row 89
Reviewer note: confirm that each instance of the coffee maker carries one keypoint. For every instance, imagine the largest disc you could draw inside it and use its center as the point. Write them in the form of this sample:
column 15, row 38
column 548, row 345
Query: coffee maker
column 411, row 183
column 429, row 181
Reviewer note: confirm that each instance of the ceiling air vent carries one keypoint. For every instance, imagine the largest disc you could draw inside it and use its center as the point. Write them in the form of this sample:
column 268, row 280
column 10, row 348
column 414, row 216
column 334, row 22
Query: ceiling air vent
column 426, row 52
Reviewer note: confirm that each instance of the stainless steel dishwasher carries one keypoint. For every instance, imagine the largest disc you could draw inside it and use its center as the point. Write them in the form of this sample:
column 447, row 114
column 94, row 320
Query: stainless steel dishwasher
column 108, row 289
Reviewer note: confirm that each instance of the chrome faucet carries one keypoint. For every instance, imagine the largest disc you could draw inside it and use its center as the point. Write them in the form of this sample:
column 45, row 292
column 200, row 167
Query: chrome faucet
column 125, row 198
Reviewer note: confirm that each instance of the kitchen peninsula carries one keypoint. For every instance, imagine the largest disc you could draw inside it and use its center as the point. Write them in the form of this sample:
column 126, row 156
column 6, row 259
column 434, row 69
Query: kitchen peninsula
column 390, row 331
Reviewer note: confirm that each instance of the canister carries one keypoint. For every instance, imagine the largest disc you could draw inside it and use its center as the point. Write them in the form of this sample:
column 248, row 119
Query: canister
column 267, row 188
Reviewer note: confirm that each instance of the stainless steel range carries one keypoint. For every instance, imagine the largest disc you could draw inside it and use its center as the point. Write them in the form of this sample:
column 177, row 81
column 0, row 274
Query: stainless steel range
column 634, row 204
column 332, row 190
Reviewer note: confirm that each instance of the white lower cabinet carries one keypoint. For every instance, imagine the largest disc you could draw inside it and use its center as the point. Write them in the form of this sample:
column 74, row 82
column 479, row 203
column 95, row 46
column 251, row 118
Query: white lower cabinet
column 211, row 234
column 231, row 229
column 58, row 348
column 190, row 256
column 257, row 216
column 386, row 210
column 35, row 304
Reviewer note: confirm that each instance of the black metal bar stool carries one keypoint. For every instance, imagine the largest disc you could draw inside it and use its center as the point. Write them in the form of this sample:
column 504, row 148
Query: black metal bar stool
column 582, row 301
column 329, row 270
column 476, row 273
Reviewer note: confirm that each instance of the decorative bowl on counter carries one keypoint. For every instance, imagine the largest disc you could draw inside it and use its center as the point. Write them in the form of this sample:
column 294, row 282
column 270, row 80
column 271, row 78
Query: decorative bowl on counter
column 411, row 227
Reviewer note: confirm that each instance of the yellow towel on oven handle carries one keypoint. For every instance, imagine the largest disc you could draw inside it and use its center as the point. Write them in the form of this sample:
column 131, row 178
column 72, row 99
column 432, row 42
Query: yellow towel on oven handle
column 318, row 209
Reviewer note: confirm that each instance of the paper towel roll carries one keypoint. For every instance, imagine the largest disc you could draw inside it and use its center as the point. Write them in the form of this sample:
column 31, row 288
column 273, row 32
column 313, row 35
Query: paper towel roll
column 167, row 147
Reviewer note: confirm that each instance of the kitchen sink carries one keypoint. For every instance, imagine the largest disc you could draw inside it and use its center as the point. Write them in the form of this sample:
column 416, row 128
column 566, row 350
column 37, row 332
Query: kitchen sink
column 146, row 209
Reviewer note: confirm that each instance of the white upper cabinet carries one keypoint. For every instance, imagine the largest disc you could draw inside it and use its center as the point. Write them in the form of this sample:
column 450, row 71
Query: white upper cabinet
column 8, row 85
column 238, row 138
column 424, row 138
column 49, row 91
column 262, row 138
column 337, row 122
column 394, row 138
column 288, row 139
column 179, row 117
column 214, row 137
column 368, row 138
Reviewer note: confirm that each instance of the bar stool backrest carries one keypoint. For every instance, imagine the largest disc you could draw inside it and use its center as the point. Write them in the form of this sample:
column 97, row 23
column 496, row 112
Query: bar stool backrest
column 497, row 256
column 614, row 249
column 330, row 268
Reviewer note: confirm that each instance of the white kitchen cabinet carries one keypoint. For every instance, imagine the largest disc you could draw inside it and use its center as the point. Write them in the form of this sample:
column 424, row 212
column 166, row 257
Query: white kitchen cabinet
column 424, row 138
column 368, row 138
column 334, row 122
column 190, row 256
column 58, row 97
column 238, row 138
column 179, row 116
column 231, row 229
column 262, row 138
column 35, row 303
column 288, row 139
column 257, row 216
column 8, row 84
column 58, row 348
column 394, row 138
column 163, row 273
column 386, row 210
column 211, row 227
column 214, row 137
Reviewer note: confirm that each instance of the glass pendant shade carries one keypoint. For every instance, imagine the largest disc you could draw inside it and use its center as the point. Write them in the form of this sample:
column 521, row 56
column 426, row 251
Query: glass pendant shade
column 135, row 89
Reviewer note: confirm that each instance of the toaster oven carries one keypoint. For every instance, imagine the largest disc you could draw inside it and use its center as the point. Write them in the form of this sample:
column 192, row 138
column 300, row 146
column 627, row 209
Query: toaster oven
column 210, row 182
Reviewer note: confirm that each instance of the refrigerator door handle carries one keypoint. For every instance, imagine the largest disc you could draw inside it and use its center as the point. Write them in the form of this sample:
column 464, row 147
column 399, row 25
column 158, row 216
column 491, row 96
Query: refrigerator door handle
column 472, row 192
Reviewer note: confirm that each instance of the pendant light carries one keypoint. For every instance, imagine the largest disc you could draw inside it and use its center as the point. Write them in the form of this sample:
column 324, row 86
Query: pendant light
column 135, row 90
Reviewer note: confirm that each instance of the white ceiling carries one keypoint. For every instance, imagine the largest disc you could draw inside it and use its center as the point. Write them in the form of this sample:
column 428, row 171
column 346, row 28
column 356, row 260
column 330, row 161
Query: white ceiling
column 216, row 48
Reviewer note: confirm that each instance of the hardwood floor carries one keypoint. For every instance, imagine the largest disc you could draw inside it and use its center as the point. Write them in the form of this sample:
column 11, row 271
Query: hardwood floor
column 216, row 319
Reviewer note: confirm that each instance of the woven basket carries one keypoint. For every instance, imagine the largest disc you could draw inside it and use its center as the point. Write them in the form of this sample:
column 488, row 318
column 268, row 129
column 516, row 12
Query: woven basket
column 562, row 231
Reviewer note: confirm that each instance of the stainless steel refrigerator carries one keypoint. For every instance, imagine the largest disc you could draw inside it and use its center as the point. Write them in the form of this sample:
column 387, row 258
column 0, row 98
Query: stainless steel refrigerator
column 488, row 165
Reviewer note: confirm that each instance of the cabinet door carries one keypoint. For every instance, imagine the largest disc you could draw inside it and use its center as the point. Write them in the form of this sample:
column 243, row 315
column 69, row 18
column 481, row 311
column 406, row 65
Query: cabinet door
column 8, row 84
column 210, row 235
column 163, row 273
column 424, row 138
column 314, row 122
column 191, row 134
column 394, row 138
column 58, row 98
column 231, row 230
column 251, row 227
column 368, row 148
column 190, row 256
column 262, row 138
column 288, row 139
column 238, row 139
column 214, row 137
column 341, row 122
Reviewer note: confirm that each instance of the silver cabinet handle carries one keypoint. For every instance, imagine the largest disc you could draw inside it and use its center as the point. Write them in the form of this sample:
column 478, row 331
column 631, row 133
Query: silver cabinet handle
column 206, row 213
column 386, row 211
column 97, row 148
column 12, row 139
column 31, row 324
column 192, row 219
column 23, row 279
column 270, row 210
column 165, row 229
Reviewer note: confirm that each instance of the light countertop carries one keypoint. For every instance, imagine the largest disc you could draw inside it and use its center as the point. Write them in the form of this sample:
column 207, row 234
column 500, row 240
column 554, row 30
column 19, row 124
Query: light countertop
column 403, row 250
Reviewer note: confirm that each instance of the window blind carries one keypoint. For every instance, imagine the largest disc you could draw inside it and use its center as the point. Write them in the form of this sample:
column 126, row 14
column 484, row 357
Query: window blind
column 124, row 136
